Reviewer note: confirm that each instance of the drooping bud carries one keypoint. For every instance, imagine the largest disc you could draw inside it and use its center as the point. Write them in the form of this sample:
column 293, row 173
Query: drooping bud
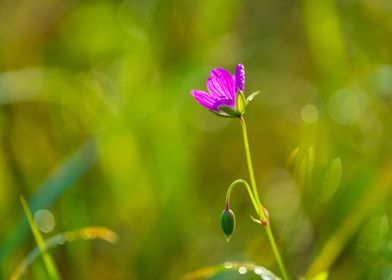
column 228, row 222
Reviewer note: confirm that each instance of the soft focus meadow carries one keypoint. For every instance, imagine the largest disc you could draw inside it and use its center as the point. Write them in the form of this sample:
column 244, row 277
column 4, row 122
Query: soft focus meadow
column 98, row 129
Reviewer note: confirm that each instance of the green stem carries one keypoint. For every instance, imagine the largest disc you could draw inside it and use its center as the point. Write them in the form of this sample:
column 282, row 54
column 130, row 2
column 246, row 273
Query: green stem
column 236, row 182
column 48, row 261
column 261, row 212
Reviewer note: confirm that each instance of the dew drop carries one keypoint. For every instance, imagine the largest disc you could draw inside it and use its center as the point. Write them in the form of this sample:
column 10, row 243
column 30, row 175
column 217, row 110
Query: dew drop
column 242, row 270
column 228, row 265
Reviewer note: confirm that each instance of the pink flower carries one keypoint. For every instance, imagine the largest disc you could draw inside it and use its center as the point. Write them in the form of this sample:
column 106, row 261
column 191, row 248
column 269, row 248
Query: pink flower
column 222, row 90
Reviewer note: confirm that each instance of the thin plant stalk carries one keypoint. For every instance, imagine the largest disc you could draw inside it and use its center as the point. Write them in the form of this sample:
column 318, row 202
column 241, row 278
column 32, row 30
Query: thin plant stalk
column 87, row 233
column 235, row 183
column 48, row 261
column 260, row 208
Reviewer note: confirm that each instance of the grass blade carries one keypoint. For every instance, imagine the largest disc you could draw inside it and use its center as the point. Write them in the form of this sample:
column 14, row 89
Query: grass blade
column 332, row 178
column 48, row 261
column 337, row 241
column 293, row 155
column 63, row 178
column 87, row 233
column 306, row 169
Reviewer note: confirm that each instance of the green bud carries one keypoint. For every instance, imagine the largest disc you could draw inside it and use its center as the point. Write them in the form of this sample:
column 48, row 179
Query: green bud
column 228, row 222
column 241, row 103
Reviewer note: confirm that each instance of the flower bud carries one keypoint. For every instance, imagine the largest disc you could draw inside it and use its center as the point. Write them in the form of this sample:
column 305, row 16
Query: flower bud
column 228, row 222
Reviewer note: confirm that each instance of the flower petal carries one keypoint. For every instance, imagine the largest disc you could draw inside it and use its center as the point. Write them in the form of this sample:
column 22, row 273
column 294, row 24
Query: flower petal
column 225, row 102
column 221, row 84
column 205, row 99
column 240, row 77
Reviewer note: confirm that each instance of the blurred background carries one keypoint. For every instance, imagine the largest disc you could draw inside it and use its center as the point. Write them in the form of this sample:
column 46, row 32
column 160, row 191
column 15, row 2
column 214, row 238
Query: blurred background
column 97, row 128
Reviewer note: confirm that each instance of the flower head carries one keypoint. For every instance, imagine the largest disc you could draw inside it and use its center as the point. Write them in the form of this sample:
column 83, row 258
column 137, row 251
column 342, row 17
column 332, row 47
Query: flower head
column 223, row 90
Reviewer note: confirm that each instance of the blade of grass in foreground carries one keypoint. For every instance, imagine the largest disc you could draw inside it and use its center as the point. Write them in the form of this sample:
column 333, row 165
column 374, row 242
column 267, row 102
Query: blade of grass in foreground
column 48, row 261
column 87, row 233
column 337, row 241
column 63, row 178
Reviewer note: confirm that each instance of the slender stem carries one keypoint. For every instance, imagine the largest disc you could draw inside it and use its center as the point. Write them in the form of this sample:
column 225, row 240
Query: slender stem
column 240, row 181
column 48, row 261
column 249, row 162
column 261, row 212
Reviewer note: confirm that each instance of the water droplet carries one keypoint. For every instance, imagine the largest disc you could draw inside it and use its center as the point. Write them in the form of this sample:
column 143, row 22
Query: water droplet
column 61, row 240
column 242, row 270
column 228, row 265
column 259, row 271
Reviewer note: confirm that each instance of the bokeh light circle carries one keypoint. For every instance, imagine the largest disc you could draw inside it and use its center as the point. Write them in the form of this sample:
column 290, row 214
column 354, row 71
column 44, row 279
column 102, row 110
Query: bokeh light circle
column 44, row 220
column 345, row 106
column 309, row 113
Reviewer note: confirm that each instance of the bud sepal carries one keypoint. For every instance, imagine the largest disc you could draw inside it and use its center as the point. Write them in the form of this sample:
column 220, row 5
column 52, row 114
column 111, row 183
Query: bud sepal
column 240, row 103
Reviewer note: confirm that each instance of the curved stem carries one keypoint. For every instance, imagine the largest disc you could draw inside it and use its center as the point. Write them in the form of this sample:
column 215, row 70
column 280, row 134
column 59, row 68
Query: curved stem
column 261, row 212
column 237, row 182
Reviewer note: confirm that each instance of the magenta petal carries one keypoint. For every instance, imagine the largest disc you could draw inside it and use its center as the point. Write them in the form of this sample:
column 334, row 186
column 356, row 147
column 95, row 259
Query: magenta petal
column 221, row 84
column 225, row 102
column 240, row 77
column 205, row 99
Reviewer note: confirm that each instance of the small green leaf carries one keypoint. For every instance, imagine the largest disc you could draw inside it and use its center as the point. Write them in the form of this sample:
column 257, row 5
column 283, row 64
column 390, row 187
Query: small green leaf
column 332, row 179
column 241, row 103
column 251, row 97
